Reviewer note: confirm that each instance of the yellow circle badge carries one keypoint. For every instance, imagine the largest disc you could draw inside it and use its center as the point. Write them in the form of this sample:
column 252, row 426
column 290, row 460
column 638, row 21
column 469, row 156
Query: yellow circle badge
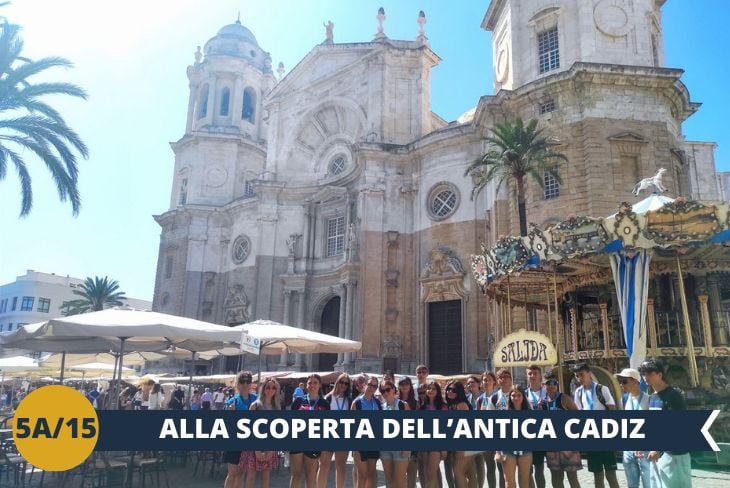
column 55, row 428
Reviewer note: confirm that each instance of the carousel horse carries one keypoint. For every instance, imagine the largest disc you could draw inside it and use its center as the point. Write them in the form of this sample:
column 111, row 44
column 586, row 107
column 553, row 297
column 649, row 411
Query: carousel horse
column 655, row 181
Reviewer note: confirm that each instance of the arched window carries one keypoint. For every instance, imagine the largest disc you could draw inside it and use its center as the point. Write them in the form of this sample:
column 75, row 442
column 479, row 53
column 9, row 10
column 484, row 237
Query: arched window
column 203, row 102
column 225, row 101
column 249, row 105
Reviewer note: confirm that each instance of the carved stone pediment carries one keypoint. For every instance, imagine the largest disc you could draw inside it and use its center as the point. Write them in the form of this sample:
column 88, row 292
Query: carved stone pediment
column 391, row 346
column 443, row 277
column 443, row 264
column 237, row 306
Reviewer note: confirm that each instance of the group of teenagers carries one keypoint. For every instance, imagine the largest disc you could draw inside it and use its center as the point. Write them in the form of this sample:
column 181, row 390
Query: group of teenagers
column 465, row 469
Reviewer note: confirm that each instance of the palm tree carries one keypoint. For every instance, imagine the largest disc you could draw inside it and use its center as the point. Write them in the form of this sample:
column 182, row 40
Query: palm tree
column 517, row 151
column 96, row 294
column 29, row 125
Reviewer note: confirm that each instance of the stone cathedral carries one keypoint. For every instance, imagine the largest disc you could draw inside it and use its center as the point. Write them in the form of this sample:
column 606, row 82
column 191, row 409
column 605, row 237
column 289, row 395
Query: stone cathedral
column 332, row 197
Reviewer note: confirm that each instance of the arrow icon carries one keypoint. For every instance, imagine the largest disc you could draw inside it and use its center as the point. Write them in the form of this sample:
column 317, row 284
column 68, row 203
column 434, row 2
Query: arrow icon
column 706, row 430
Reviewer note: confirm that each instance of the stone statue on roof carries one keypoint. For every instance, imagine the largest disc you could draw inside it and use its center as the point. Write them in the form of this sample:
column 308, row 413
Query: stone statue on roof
column 381, row 18
column 329, row 32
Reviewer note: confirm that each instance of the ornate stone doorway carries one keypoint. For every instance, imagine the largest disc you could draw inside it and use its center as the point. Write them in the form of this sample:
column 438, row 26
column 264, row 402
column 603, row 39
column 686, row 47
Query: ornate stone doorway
column 444, row 337
column 330, row 324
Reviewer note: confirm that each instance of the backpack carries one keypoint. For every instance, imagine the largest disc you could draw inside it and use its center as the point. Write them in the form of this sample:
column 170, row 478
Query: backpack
column 599, row 395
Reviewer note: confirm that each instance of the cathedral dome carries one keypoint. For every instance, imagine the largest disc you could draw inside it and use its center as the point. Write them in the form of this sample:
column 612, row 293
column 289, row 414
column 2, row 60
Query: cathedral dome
column 237, row 31
column 237, row 41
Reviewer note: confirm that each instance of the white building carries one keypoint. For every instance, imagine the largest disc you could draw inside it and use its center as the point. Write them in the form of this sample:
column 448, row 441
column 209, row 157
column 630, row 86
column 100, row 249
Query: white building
column 35, row 297
column 334, row 199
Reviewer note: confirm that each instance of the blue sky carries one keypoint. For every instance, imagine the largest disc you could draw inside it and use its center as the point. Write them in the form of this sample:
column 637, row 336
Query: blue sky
column 131, row 57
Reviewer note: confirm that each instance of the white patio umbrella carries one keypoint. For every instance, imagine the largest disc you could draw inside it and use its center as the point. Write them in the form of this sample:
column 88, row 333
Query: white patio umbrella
column 117, row 329
column 276, row 338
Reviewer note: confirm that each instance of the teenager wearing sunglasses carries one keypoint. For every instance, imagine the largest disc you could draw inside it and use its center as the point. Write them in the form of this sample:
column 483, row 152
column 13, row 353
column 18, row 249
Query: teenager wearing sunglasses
column 432, row 400
column 263, row 462
column 366, row 460
column 462, row 462
column 406, row 393
column 637, row 468
column 307, row 461
column 395, row 463
column 339, row 399
column 560, row 463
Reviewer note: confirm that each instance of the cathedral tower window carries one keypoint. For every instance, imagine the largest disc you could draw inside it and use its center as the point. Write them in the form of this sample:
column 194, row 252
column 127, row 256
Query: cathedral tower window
column 203, row 102
column 337, row 165
column 241, row 249
column 248, row 189
column 225, row 102
column 249, row 105
column 548, row 51
column 335, row 236
column 551, row 186
column 168, row 267
column 443, row 201
column 183, row 191
column 547, row 107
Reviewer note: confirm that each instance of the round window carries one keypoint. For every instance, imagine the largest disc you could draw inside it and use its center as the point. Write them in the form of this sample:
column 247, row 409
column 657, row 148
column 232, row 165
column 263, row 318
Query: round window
column 241, row 249
column 443, row 201
column 337, row 165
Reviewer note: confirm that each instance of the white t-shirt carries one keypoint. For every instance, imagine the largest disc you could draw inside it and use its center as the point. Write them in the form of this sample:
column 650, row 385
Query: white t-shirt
column 640, row 402
column 219, row 397
column 339, row 403
column 502, row 401
column 586, row 399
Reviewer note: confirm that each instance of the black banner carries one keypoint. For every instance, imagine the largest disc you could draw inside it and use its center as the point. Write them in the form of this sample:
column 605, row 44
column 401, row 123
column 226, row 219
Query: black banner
column 406, row 430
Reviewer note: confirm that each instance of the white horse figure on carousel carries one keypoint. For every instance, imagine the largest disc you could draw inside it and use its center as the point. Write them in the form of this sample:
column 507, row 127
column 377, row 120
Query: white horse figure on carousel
column 655, row 181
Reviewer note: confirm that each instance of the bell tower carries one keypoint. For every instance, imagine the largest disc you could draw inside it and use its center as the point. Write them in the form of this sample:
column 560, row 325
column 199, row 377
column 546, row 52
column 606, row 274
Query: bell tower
column 538, row 38
column 224, row 147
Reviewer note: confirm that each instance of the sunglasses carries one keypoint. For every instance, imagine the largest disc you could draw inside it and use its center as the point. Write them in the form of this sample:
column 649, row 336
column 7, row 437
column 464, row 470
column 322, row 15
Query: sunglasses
column 372, row 385
column 551, row 382
column 244, row 382
column 449, row 390
column 421, row 372
column 386, row 390
column 623, row 381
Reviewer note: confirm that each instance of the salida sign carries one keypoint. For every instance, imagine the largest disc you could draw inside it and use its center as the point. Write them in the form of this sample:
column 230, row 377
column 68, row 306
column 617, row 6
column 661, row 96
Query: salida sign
column 525, row 347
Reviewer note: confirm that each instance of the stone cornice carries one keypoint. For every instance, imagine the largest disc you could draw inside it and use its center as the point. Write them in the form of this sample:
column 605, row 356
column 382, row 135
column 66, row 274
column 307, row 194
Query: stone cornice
column 666, row 79
column 489, row 21
column 196, row 137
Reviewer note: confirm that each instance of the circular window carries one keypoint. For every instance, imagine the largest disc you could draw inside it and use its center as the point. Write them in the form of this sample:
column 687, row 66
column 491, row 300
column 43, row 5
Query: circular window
column 443, row 201
column 241, row 249
column 337, row 165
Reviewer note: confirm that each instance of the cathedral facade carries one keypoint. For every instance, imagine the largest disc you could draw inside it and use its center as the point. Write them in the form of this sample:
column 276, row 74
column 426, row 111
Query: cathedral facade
column 334, row 199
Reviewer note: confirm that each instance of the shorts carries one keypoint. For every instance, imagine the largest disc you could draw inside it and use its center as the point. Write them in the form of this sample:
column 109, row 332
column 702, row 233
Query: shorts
column 368, row 455
column 516, row 453
column 309, row 454
column 599, row 461
column 564, row 460
column 232, row 457
column 672, row 470
column 538, row 458
column 392, row 456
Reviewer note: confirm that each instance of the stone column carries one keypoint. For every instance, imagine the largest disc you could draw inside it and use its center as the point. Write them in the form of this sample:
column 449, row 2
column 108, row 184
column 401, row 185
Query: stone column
column 343, row 312
column 284, row 358
column 301, row 324
column 349, row 318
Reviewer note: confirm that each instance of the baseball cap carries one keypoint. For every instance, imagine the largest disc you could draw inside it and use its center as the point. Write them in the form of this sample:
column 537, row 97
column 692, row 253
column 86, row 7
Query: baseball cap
column 629, row 373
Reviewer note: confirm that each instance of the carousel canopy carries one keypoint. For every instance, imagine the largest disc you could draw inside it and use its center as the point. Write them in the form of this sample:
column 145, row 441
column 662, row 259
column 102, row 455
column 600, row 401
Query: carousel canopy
column 578, row 248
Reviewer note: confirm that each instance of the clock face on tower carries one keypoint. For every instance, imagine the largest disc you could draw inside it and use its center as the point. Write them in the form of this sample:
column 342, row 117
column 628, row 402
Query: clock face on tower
column 611, row 18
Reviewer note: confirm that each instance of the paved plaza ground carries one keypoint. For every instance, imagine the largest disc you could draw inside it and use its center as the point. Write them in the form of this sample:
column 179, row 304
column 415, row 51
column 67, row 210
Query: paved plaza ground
column 186, row 477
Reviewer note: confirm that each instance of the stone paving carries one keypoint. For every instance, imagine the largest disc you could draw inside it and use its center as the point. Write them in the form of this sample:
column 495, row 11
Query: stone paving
column 184, row 477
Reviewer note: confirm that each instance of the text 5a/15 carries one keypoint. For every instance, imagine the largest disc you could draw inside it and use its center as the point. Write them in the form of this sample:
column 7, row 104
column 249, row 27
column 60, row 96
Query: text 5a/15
column 84, row 428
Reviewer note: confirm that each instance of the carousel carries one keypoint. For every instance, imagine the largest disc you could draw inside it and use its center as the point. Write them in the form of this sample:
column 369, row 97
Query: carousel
column 651, row 280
